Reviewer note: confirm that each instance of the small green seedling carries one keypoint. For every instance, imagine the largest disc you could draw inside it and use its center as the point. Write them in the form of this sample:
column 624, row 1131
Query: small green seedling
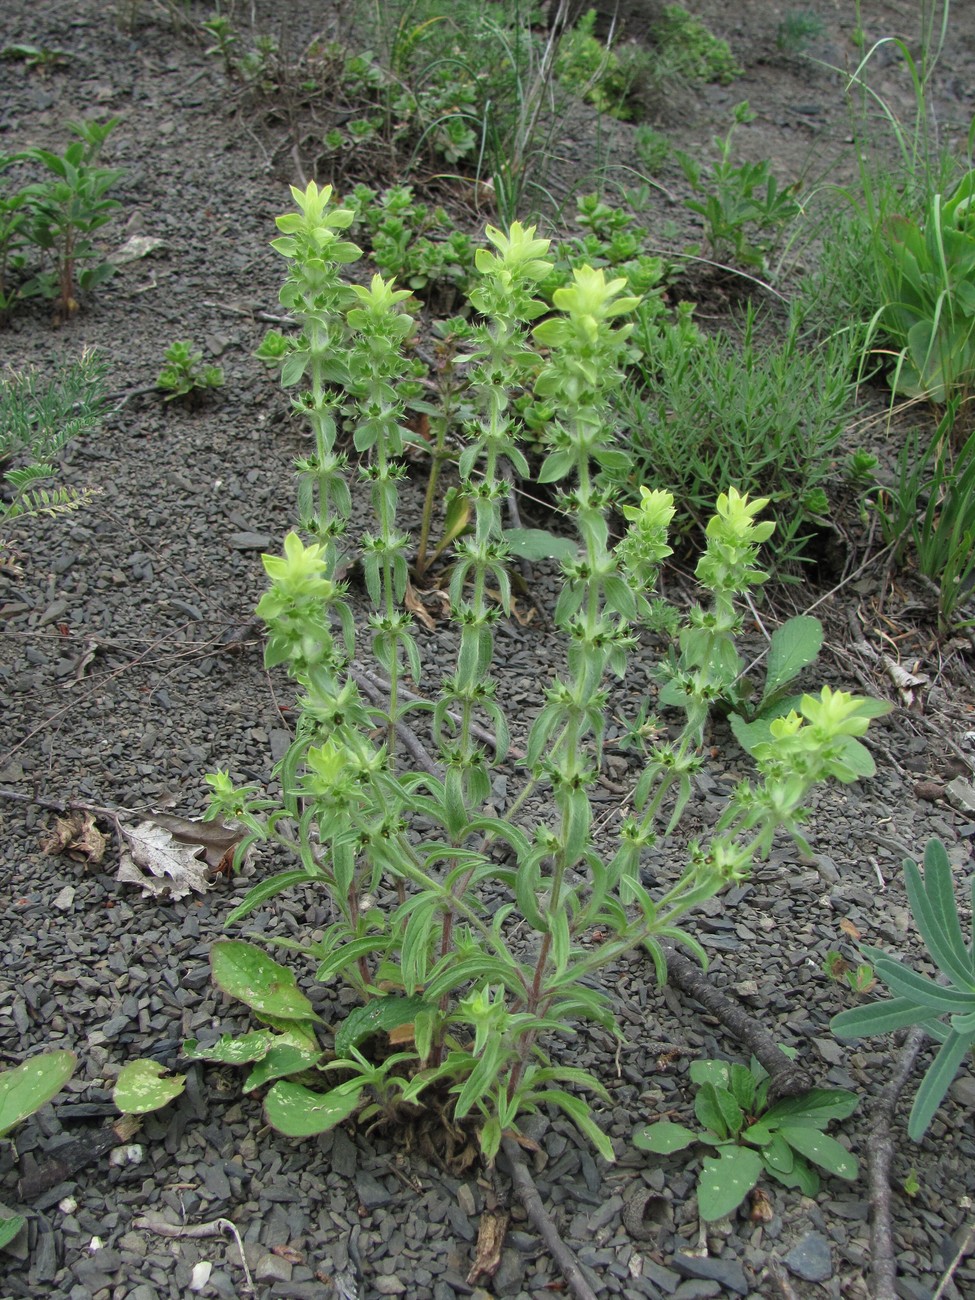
column 224, row 46
column 861, row 466
column 67, row 208
column 184, row 376
column 751, row 1138
column 799, row 29
column 743, row 210
column 23, row 1090
column 859, row 978
column 36, row 56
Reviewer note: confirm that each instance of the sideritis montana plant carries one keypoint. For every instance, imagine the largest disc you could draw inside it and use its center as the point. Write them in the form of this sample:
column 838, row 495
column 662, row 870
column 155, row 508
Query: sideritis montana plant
column 474, row 941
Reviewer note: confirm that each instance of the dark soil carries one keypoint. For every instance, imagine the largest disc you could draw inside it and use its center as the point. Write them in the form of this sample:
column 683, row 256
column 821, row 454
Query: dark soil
column 130, row 668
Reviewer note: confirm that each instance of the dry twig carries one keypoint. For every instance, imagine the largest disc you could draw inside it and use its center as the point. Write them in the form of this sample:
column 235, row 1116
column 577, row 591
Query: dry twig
column 880, row 1153
column 529, row 1196
column 788, row 1079
column 949, row 1273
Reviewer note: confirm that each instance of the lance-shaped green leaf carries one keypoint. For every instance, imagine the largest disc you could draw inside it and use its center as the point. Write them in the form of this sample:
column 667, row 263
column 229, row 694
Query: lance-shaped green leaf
column 538, row 544
column 933, row 906
column 9, row 1229
column 267, row 889
column 778, row 1156
column 923, row 992
column 936, row 1082
column 246, row 972
column 793, row 647
column 879, row 1018
column 580, row 1114
column 379, row 1016
column 813, row 1108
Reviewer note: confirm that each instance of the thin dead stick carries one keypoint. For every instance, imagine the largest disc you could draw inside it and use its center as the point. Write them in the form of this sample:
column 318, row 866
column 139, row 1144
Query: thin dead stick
column 963, row 1250
column 880, row 1154
column 194, row 1231
column 96, row 680
column 363, row 675
column 529, row 1196
column 412, row 742
column 788, row 1079
column 66, row 805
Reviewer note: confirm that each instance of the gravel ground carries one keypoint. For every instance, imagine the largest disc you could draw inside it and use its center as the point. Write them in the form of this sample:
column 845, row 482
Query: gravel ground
column 129, row 668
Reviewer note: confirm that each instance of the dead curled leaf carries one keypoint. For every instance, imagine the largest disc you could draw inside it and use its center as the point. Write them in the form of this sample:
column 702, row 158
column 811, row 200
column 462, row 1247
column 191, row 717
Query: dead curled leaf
column 173, row 856
column 289, row 1253
column 762, row 1210
column 77, row 835
column 904, row 681
column 215, row 838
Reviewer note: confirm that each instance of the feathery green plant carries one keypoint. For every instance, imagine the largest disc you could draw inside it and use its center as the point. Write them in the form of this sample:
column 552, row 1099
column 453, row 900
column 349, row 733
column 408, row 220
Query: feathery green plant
column 705, row 412
column 38, row 418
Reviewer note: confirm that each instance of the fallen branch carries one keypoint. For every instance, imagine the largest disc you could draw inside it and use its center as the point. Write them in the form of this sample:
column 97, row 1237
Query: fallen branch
column 64, row 805
column 365, row 677
column 788, row 1078
column 194, row 1231
column 373, row 690
column 880, row 1154
column 529, row 1196
column 65, row 1162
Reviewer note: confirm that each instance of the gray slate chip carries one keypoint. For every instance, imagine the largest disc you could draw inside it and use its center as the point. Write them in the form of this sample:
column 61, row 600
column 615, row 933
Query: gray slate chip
column 810, row 1258
column 249, row 541
column 371, row 1191
column 726, row 1271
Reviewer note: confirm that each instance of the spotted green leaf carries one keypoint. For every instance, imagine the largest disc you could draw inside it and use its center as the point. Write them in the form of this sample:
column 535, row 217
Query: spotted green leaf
column 822, row 1150
column 727, row 1180
column 27, row 1087
column 297, row 1111
column 663, row 1138
column 382, row 1014
column 246, row 972
column 140, row 1088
